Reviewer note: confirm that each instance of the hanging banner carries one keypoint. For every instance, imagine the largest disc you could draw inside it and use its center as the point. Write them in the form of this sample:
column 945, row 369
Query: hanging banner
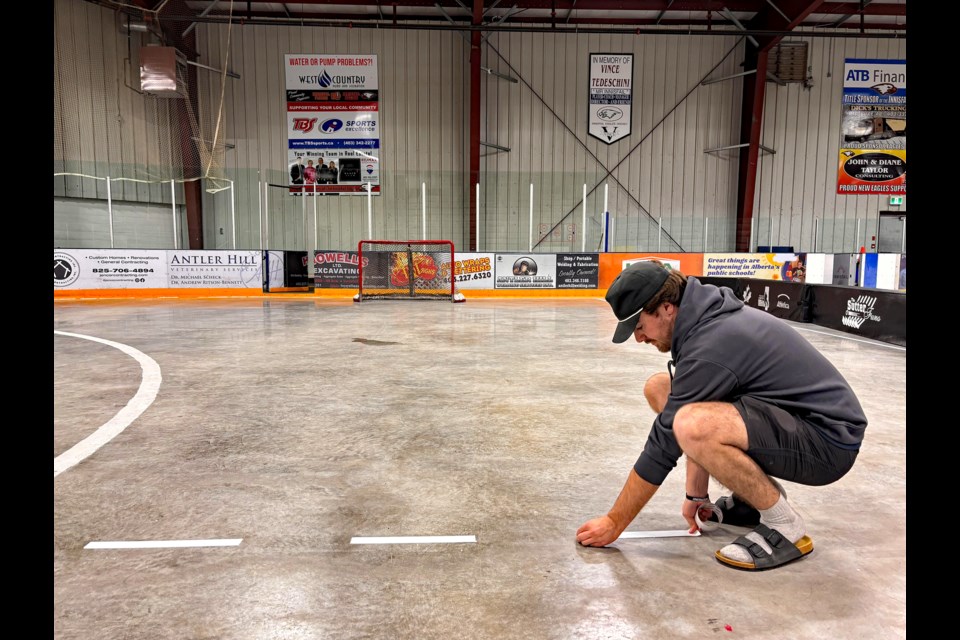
column 610, row 95
column 333, row 124
column 873, row 145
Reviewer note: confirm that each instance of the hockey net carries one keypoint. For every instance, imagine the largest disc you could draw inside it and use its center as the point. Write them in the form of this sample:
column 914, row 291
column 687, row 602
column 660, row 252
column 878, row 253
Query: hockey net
column 407, row 270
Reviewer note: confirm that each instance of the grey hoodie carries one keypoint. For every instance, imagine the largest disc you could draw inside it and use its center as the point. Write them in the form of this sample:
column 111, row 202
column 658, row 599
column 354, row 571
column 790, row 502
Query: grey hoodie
column 723, row 350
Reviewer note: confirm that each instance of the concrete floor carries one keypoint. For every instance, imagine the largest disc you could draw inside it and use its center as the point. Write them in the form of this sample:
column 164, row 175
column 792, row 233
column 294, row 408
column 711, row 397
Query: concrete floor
column 296, row 424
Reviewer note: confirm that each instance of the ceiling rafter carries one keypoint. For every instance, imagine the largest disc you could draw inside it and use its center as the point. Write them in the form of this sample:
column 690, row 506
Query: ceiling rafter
column 759, row 15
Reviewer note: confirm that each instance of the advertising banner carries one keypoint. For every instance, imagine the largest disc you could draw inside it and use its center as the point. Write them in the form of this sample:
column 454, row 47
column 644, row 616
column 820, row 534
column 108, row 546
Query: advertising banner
column 519, row 271
column 611, row 264
column 782, row 299
column 788, row 267
column 214, row 269
column 845, row 269
column 333, row 123
column 578, row 270
column 295, row 270
column 334, row 269
column 610, row 96
column 474, row 270
column 157, row 269
column 275, row 267
column 876, row 314
column 109, row 269
column 873, row 145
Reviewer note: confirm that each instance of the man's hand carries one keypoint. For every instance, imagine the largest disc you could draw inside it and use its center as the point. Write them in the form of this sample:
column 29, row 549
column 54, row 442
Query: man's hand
column 689, row 511
column 598, row 532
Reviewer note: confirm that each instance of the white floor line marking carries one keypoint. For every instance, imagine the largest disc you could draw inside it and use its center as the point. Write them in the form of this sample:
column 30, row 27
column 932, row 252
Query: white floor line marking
column 875, row 343
column 669, row 533
column 149, row 385
column 410, row 539
column 163, row 544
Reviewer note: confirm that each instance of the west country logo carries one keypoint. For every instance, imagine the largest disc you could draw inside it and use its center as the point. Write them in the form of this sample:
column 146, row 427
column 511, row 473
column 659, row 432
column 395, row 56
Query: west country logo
column 325, row 79
column 303, row 124
column 331, row 126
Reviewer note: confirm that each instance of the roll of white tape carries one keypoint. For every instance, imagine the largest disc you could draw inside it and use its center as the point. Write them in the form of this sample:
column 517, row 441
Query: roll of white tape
column 702, row 516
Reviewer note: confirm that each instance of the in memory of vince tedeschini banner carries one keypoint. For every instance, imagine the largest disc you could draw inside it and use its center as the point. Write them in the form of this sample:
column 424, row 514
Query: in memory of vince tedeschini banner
column 333, row 123
column 610, row 96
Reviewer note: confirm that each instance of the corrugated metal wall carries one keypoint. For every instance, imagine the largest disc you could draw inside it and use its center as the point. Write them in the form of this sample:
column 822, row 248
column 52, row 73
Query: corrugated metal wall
column 666, row 191
column 104, row 128
column 796, row 193
column 659, row 175
column 424, row 110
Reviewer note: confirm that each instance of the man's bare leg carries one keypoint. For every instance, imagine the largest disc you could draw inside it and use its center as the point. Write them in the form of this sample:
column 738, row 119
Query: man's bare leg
column 656, row 390
column 714, row 435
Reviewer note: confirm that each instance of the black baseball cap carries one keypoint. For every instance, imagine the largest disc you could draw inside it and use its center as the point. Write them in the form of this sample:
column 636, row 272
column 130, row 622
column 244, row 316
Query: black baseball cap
column 632, row 289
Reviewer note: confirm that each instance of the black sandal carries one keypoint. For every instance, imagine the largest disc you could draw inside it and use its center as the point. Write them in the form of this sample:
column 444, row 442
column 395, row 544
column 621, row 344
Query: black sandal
column 784, row 551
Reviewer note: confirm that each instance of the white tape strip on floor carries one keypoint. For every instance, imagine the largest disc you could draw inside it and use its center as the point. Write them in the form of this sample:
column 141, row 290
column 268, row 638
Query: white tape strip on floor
column 163, row 544
column 411, row 539
column 669, row 533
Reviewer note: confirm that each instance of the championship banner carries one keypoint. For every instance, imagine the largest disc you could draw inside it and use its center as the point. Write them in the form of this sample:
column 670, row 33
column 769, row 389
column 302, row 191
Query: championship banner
column 473, row 270
column 873, row 146
column 333, row 123
column 518, row 271
column 109, row 269
column 788, row 267
column 610, row 96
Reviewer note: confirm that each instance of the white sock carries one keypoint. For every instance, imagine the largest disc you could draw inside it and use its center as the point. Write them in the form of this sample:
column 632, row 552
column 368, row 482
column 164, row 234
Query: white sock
column 782, row 518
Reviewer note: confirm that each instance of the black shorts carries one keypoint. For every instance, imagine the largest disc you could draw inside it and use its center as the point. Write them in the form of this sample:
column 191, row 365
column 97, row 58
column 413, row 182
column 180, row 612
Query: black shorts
column 789, row 448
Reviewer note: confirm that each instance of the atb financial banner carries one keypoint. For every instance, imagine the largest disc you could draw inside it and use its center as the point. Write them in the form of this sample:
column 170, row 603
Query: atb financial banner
column 873, row 147
column 611, row 96
column 333, row 123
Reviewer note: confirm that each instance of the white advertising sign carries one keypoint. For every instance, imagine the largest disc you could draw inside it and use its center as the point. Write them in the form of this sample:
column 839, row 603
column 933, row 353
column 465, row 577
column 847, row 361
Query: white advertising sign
column 532, row 271
column 109, row 269
column 333, row 124
column 473, row 270
column 214, row 269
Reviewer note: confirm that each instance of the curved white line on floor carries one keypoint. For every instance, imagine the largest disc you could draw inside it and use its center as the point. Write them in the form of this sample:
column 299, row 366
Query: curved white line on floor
column 149, row 385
